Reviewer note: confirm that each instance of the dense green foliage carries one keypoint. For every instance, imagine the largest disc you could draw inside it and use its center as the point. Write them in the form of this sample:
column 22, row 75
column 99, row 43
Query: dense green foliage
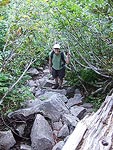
column 30, row 28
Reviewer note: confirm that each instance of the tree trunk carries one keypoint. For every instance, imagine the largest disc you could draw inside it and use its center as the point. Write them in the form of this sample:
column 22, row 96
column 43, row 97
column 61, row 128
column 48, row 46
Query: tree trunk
column 95, row 131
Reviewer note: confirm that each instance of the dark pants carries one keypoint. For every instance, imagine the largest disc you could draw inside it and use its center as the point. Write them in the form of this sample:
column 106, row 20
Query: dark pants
column 58, row 73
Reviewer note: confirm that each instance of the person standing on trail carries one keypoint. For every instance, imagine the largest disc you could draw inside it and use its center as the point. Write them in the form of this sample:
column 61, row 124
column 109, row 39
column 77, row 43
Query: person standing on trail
column 57, row 61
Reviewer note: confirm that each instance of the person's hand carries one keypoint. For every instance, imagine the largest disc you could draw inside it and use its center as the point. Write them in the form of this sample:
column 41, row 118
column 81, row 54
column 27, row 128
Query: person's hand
column 68, row 54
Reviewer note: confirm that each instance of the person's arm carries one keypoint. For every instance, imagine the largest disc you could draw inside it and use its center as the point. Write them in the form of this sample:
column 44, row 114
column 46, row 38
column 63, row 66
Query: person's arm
column 68, row 58
column 50, row 64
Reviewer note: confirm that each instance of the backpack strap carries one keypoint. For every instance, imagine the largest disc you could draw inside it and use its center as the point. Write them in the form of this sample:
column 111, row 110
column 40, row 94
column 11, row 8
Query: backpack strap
column 62, row 58
column 52, row 53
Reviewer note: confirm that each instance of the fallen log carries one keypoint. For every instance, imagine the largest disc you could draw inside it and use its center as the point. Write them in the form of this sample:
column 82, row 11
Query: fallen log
column 95, row 131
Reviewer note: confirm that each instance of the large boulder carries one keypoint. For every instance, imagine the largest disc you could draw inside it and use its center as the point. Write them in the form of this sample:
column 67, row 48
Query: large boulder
column 41, row 134
column 52, row 108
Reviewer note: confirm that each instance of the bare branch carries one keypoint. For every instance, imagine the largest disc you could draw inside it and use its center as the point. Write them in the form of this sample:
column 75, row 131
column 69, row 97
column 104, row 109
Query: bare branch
column 11, row 55
column 78, row 62
column 97, row 91
column 10, row 89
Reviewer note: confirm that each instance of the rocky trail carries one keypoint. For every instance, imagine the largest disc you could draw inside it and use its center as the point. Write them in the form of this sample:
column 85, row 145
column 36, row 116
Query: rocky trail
column 46, row 122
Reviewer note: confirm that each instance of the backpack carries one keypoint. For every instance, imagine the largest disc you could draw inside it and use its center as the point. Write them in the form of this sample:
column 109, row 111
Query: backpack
column 62, row 57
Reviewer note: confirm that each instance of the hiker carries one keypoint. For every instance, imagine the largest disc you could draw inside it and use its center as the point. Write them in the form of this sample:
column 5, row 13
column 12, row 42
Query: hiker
column 57, row 60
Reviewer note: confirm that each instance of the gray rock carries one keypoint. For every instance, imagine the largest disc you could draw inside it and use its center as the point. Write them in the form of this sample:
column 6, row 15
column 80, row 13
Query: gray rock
column 70, row 92
column 6, row 140
column 78, row 111
column 31, row 83
column 89, row 110
column 20, row 129
column 77, row 91
column 46, row 71
column 64, row 98
column 25, row 147
column 21, row 112
column 33, row 71
column 64, row 132
column 37, row 93
column 87, row 105
column 60, row 91
column 49, row 94
column 49, row 83
column 41, row 82
column 40, row 68
column 41, row 134
column 70, row 120
column 57, row 125
column 58, row 146
column 54, row 107
column 77, row 99
column 31, row 103
column 46, row 95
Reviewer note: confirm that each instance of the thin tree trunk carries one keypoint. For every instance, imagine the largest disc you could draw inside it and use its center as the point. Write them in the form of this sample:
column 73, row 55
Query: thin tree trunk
column 32, row 61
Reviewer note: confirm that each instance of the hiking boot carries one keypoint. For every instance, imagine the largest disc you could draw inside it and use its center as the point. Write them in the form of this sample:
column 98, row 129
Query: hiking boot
column 55, row 86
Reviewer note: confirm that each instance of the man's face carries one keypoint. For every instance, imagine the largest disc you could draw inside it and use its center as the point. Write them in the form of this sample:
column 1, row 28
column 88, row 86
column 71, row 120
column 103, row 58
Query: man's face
column 57, row 51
